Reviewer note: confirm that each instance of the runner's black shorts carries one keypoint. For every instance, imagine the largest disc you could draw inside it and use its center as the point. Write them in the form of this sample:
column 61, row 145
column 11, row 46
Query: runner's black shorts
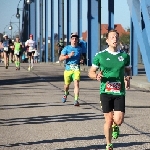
column 30, row 53
column 111, row 102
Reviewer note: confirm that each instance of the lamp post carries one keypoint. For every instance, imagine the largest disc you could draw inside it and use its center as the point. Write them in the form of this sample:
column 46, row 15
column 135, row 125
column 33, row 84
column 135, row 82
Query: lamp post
column 18, row 17
column 5, row 28
column 10, row 26
column 28, row 1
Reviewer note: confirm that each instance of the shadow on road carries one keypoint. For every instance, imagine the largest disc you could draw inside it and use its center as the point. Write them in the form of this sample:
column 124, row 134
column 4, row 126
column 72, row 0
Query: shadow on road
column 28, row 80
column 48, row 119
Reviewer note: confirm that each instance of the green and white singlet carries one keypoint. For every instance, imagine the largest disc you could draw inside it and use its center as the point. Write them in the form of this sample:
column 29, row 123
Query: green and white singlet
column 112, row 65
column 17, row 48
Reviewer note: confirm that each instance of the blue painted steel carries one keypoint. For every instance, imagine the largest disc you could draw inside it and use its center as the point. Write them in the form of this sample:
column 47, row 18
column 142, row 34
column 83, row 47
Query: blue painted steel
column 32, row 19
column 52, row 32
column 41, row 27
column 133, row 50
column 110, row 14
column 134, row 7
column 35, row 3
column 28, row 20
column 46, row 30
column 59, row 19
column 145, row 8
column 68, row 21
column 24, row 32
column 92, row 30
column 79, row 18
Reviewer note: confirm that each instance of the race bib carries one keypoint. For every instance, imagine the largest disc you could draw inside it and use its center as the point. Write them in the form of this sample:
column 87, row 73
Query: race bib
column 74, row 67
column 114, row 87
column 16, row 52
column 6, row 49
column 31, row 49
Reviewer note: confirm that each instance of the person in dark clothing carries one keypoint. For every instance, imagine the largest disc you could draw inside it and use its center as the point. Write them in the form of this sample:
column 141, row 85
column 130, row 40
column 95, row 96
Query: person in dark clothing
column 60, row 45
column 6, row 47
column 83, row 45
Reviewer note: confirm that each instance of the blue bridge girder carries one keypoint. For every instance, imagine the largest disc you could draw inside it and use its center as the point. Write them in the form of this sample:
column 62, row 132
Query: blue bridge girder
column 139, row 31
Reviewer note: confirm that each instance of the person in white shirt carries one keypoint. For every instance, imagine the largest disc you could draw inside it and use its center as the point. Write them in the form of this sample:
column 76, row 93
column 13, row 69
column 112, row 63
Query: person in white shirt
column 31, row 47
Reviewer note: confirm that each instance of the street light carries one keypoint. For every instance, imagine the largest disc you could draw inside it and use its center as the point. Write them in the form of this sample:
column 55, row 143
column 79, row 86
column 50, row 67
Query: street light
column 10, row 27
column 18, row 15
column 28, row 1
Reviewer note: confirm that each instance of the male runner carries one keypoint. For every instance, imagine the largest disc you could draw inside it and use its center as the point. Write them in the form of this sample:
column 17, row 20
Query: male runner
column 112, row 64
column 72, row 54
column 17, row 52
column 31, row 46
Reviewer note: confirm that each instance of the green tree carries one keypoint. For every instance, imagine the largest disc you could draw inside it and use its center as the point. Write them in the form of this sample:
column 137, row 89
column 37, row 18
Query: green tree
column 125, row 38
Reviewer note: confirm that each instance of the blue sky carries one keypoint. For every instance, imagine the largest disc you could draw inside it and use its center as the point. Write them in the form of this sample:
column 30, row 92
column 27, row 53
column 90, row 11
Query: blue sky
column 8, row 9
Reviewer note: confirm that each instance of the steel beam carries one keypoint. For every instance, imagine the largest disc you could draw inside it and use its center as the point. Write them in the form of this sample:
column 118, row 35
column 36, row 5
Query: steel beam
column 68, row 20
column 92, row 17
column 79, row 14
column 110, row 14
column 52, row 32
column 59, row 19
column 46, row 30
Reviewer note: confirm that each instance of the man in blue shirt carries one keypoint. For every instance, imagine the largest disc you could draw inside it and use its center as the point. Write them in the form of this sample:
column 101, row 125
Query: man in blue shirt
column 72, row 55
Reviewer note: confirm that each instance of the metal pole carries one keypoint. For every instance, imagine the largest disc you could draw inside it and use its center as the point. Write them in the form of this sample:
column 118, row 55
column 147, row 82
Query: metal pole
column 79, row 14
column 63, row 20
column 99, row 25
column 46, row 30
column 41, row 28
column 52, row 32
column 68, row 21
column 19, row 27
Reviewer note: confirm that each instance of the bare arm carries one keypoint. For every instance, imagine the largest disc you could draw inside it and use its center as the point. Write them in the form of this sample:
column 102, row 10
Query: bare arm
column 64, row 57
column 93, row 75
column 128, row 73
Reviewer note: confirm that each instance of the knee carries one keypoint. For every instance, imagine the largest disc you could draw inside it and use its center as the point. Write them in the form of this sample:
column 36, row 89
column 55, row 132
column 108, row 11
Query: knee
column 118, row 122
column 76, row 83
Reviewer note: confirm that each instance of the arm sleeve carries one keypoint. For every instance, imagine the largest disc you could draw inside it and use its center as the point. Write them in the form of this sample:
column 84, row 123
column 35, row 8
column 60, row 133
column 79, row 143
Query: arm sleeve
column 96, row 61
column 64, row 51
column 127, row 63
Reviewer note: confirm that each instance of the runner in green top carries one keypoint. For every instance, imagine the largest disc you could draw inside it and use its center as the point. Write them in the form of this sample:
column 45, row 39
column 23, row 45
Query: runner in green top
column 112, row 64
column 17, row 52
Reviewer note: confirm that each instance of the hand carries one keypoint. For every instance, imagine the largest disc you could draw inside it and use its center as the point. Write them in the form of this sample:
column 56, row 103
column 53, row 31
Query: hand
column 127, row 82
column 71, row 54
column 99, row 76
column 81, row 61
column 127, row 78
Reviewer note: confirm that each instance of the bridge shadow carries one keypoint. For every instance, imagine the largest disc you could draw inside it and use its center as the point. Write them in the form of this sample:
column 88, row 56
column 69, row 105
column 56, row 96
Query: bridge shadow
column 29, row 80
column 48, row 119
column 73, row 139
column 138, row 107
column 30, row 105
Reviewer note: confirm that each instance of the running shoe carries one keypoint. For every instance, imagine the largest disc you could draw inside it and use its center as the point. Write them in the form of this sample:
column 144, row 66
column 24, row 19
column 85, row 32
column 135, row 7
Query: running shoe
column 109, row 147
column 115, row 131
column 76, row 103
column 29, row 68
column 64, row 98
